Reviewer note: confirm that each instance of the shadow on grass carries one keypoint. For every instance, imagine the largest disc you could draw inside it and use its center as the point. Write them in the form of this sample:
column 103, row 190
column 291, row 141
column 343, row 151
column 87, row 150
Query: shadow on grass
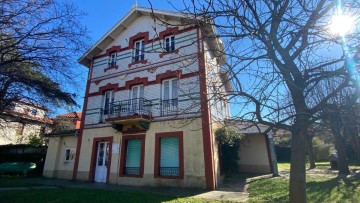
column 269, row 190
column 339, row 189
column 236, row 183
column 80, row 195
column 7, row 181
column 84, row 191
column 319, row 189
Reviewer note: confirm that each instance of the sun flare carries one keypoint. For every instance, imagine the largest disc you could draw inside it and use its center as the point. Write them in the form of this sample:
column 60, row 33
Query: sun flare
column 341, row 24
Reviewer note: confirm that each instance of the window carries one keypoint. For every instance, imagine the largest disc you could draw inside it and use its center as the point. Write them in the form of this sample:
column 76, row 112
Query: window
column 169, row 102
column 108, row 101
column 169, row 156
column 169, row 43
column 136, row 99
column 11, row 106
column 69, row 154
column 139, row 51
column 33, row 112
column 169, row 161
column 112, row 60
column 132, row 155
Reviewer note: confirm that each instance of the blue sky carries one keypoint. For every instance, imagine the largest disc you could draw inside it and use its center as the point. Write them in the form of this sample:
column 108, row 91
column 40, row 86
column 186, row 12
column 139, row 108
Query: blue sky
column 102, row 15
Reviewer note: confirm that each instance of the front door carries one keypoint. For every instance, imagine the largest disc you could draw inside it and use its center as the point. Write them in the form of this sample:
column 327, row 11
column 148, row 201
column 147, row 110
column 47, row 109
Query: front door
column 101, row 162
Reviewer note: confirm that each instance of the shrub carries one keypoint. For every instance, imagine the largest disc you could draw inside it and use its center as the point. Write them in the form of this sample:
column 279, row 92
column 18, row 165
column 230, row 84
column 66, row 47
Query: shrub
column 229, row 140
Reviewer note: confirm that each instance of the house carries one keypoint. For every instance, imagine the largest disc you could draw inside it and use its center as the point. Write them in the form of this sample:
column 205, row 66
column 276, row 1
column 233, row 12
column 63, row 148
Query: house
column 21, row 120
column 257, row 152
column 62, row 143
column 155, row 95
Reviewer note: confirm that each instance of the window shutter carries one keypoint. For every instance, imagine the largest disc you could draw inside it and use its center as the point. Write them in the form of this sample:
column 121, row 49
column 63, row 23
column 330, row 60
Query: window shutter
column 137, row 51
column 174, row 92
column 167, row 44
column 133, row 153
column 142, row 49
column 141, row 92
column 172, row 43
column 134, row 92
column 166, row 90
column 169, row 152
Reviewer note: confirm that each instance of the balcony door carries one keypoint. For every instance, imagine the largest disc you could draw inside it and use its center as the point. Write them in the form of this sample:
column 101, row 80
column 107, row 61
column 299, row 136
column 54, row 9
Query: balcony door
column 136, row 99
column 169, row 96
column 108, row 99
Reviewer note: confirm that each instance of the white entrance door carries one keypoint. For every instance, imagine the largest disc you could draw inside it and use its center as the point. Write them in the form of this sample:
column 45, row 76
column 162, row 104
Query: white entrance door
column 101, row 162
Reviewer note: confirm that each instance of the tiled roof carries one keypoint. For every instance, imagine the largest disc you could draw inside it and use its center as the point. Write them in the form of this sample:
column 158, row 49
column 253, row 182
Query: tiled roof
column 32, row 104
column 28, row 117
column 71, row 115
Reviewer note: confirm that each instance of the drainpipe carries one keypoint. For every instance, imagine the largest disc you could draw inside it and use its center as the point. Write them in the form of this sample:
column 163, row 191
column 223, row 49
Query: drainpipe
column 273, row 154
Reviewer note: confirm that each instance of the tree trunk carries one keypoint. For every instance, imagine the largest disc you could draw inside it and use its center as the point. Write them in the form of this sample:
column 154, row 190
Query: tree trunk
column 297, row 191
column 355, row 143
column 310, row 151
column 340, row 147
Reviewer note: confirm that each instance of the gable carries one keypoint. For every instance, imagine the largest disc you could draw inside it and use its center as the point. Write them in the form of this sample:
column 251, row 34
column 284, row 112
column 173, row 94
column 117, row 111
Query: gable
column 134, row 21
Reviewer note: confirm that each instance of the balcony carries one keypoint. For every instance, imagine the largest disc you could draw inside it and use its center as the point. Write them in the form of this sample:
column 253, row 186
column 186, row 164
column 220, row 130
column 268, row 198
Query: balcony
column 128, row 111
column 169, row 107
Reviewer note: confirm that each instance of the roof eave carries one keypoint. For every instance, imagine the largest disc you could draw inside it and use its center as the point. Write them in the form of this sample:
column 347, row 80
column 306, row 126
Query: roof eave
column 120, row 26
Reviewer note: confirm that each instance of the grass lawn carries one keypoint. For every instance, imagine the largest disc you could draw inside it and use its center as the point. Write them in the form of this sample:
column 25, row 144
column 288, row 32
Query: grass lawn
column 319, row 188
column 76, row 194
column 15, row 181
column 87, row 195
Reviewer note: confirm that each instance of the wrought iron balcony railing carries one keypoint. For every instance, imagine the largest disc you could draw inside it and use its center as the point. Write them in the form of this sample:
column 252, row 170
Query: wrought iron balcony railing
column 132, row 170
column 168, row 107
column 125, row 108
column 169, row 171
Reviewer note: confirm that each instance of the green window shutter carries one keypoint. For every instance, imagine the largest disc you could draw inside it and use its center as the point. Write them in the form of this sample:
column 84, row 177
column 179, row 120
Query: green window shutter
column 169, row 152
column 133, row 153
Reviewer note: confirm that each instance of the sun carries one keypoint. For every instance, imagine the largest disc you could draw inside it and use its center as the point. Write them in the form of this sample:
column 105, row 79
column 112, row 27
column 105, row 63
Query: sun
column 341, row 24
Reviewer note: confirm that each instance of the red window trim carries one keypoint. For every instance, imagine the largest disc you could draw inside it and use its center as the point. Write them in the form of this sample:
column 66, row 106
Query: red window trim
column 145, row 81
column 136, row 81
column 176, row 51
column 158, row 136
column 125, row 138
column 168, row 74
column 113, row 49
column 108, row 87
column 139, row 36
column 135, row 37
column 112, row 67
column 137, row 62
column 169, row 31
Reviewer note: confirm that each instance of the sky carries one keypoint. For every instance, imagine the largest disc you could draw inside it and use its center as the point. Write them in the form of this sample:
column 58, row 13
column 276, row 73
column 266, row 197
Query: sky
column 100, row 17
column 103, row 15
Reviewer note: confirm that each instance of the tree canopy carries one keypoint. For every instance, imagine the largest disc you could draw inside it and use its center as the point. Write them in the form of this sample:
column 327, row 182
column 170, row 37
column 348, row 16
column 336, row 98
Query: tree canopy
column 279, row 54
column 39, row 44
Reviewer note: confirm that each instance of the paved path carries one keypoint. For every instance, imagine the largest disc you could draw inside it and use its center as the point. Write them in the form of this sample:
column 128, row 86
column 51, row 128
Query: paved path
column 233, row 189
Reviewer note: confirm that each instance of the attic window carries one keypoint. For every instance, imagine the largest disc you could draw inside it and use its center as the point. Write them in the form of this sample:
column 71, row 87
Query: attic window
column 112, row 60
column 139, row 49
column 33, row 112
column 169, row 43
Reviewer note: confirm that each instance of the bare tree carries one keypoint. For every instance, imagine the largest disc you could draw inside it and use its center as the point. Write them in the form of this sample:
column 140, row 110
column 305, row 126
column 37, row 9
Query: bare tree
column 277, row 53
column 39, row 43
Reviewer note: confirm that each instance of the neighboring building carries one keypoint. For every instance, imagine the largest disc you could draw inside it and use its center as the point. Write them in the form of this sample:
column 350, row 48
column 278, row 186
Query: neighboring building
column 155, row 95
column 257, row 152
column 61, row 150
column 22, row 120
